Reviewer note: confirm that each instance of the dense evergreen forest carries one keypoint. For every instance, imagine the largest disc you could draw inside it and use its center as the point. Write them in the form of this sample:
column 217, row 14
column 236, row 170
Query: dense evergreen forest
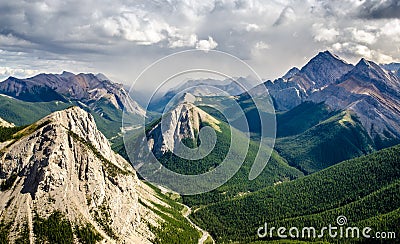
column 366, row 190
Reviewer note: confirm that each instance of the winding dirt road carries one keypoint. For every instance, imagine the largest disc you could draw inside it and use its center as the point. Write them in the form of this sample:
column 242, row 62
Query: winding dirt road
column 205, row 234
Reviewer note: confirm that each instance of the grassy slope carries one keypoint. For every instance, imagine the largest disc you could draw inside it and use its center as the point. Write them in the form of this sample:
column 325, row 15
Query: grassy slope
column 108, row 118
column 251, row 112
column 301, row 118
column 365, row 189
column 276, row 170
column 24, row 113
column 311, row 137
column 338, row 138
column 175, row 228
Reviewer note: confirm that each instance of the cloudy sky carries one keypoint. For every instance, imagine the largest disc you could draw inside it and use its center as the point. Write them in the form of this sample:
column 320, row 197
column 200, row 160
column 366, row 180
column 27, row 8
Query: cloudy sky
column 121, row 37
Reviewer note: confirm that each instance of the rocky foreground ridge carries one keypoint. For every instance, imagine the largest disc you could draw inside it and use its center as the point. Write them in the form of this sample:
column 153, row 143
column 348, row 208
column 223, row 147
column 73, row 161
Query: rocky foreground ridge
column 63, row 164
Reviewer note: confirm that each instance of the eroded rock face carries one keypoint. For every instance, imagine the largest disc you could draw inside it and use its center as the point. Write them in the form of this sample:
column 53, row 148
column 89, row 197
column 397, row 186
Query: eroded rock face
column 367, row 89
column 4, row 123
column 64, row 163
column 297, row 85
column 372, row 93
column 183, row 122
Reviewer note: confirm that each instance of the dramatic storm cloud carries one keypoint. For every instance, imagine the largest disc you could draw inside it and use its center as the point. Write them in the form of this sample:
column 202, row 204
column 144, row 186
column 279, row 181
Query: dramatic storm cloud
column 120, row 37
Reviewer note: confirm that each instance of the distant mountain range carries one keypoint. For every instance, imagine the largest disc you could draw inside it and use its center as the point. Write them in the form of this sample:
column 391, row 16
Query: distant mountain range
column 392, row 67
column 24, row 101
column 367, row 89
column 201, row 88
column 85, row 88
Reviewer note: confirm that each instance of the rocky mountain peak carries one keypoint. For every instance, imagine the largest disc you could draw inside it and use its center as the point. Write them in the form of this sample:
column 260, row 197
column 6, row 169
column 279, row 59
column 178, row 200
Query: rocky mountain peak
column 183, row 122
column 292, row 72
column 67, row 74
column 63, row 163
column 371, row 92
column 365, row 65
column 367, row 89
column 322, row 58
column 101, row 77
column 363, row 62
column 325, row 55
column 325, row 68
column 296, row 86
column 370, row 72
column 82, row 124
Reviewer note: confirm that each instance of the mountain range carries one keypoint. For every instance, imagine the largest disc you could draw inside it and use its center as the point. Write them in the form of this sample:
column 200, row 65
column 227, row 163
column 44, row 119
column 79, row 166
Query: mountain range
column 24, row 101
column 85, row 88
column 201, row 88
column 64, row 168
column 367, row 89
column 328, row 112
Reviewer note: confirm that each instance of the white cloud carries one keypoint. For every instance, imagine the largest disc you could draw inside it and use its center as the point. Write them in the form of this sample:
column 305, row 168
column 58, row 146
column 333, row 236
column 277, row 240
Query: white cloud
column 182, row 41
column 137, row 28
column 252, row 27
column 322, row 33
column 361, row 51
column 206, row 44
column 349, row 47
column 363, row 36
column 7, row 71
column 194, row 9
column 383, row 58
column 274, row 35
column 392, row 30
column 261, row 45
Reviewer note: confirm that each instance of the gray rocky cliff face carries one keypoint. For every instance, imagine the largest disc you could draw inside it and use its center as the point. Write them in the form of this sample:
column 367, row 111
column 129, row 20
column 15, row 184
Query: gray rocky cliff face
column 372, row 93
column 64, row 163
column 297, row 85
column 367, row 89
column 183, row 122
column 322, row 70
column 4, row 123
